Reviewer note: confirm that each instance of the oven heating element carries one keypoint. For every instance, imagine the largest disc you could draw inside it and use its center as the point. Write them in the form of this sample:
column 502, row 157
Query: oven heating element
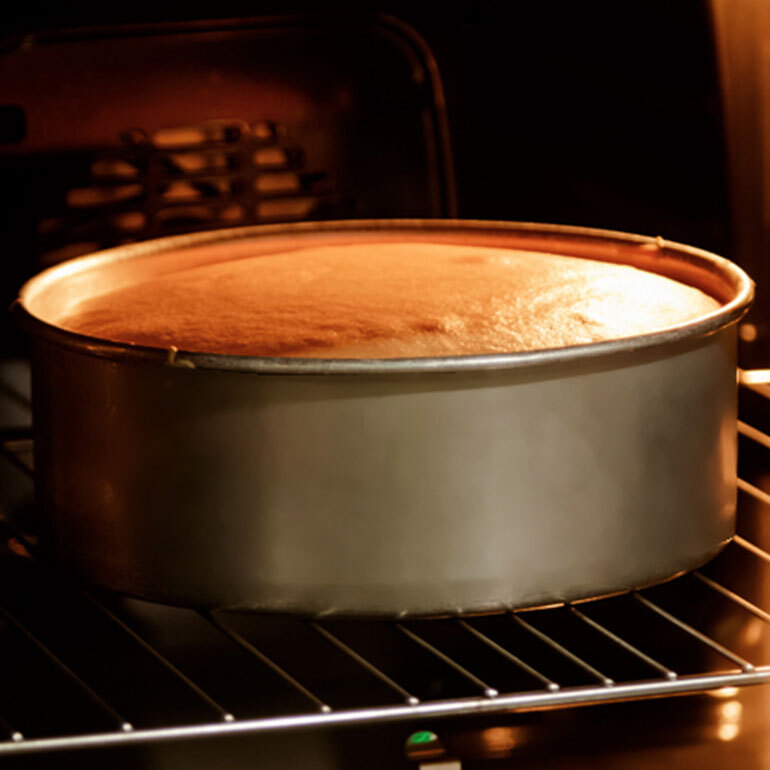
column 83, row 669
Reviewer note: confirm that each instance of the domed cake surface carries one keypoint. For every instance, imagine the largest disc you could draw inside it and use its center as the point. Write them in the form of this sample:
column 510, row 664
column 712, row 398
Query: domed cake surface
column 388, row 300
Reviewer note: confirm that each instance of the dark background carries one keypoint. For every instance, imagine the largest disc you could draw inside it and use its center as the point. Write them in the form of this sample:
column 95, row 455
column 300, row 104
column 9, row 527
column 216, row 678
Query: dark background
column 590, row 113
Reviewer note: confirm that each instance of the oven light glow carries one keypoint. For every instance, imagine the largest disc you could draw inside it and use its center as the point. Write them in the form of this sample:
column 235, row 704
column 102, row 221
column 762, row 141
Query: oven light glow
column 747, row 332
column 17, row 547
column 728, row 732
column 499, row 741
column 729, row 720
column 752, row 633
column 731, row 711
column 724, row 692
column 755, row 376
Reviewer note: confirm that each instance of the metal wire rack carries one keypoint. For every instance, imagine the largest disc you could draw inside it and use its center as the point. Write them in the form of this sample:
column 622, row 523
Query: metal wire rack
column 119, row 671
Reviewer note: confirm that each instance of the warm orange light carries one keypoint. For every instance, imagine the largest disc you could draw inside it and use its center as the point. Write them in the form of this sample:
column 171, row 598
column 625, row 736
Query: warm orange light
column 97, row 196
column 270, row 156
column 729, row 720
column 285, row 207
column 17, row 547
column 752, row 633
column 284, row 182
column 755, row 376
column 728, row 732
column 724, row 692
column 498, row 741
column 747, row 332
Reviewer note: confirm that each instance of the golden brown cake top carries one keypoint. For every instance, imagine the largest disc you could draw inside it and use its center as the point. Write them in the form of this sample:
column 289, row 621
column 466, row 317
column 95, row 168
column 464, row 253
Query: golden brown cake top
column 390, row 300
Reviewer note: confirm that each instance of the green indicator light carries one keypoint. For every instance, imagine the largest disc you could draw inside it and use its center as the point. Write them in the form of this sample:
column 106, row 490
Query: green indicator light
column 424, row 736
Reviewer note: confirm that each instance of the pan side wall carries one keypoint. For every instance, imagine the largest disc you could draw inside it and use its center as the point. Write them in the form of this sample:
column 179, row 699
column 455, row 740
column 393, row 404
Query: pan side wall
column 386, row 495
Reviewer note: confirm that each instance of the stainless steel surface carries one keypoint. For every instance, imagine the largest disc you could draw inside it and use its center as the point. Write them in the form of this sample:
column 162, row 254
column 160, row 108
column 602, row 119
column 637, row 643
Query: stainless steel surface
column 400, row 487
column 711, row 632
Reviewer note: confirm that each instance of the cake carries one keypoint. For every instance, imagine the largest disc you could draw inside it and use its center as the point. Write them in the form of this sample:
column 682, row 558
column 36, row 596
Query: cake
column 388, row 300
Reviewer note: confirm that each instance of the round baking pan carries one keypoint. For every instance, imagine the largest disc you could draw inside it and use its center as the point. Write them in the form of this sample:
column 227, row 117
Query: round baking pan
column 392, row 486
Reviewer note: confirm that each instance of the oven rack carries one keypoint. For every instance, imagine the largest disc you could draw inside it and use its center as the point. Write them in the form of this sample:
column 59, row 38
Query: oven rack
column 83, row 669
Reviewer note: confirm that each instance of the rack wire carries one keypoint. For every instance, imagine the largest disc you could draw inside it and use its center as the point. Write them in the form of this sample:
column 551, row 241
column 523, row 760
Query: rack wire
column 119, row 671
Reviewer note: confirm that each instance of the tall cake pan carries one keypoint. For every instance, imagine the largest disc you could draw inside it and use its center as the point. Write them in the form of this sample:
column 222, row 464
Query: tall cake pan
column 384, row 487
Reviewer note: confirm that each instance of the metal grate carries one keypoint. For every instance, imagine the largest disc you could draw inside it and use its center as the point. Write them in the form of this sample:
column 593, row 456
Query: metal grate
column 154, row 129
column 194, row 177
column 120, row 671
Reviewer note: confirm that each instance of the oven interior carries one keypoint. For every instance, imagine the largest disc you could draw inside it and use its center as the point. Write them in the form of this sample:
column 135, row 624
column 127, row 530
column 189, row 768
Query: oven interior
column 122, row 132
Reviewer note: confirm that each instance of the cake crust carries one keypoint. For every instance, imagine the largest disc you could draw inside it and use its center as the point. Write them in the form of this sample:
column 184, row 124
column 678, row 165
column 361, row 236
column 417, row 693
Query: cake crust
column 390, row 300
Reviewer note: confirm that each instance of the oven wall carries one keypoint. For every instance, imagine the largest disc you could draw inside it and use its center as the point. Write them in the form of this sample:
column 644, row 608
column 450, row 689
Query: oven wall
column 594, row 113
